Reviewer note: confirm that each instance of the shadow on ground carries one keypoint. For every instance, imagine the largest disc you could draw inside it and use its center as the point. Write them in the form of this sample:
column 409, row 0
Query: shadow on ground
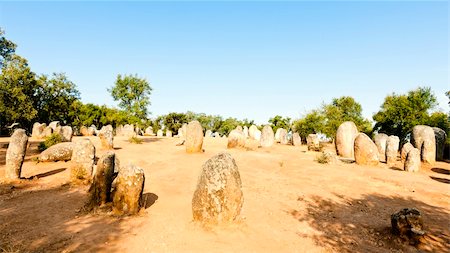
column 33, row 219
column 363, row 225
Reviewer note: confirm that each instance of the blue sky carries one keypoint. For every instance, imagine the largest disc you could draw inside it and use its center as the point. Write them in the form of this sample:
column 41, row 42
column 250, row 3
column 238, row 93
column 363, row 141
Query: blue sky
column 240, row 59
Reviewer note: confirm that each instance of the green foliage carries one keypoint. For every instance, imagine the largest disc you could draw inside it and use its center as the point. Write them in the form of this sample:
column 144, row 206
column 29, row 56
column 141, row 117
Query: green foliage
column 91, row 114
column 18, row 86
column 135, row 140
column 323, row 158
column 173, row 121
column 50, row 141
column 280, row 122
column 329, row 117
column 56, row 98
column 340, row 110
column 7, row 48
column 400, row 113
column 311, row 123
column 133, row 93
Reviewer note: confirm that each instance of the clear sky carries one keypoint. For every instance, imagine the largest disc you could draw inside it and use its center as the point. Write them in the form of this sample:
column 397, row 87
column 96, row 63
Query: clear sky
column 241, row 59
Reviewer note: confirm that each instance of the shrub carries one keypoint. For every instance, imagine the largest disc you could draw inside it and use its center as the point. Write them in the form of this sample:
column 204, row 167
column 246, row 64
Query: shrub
column 135, row 140
column 50, row 141
column 324, row 158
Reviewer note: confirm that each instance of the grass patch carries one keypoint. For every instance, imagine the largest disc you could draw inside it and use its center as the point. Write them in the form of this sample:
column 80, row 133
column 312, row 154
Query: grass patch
column 50, row 141
column 135, row 140
column 324, row 158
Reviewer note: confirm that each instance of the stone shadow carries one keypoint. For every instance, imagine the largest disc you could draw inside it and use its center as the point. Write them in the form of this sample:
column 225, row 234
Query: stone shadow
column 363, row 224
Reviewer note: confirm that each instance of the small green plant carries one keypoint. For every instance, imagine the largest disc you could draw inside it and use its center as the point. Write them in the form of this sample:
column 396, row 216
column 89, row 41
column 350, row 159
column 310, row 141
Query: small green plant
column 50, row 141
column 135, row 140
column 323, row 158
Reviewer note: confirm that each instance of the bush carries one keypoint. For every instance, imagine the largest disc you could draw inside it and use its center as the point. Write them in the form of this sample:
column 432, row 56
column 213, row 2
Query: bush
column 135, row 140
column 50, row 141
column 324, row 158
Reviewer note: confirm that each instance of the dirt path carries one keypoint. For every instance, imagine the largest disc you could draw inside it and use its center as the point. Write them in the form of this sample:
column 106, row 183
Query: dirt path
column 292, row 204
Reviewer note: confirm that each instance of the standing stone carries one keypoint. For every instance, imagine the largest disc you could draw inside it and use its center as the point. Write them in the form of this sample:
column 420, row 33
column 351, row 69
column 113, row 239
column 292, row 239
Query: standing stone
column 91, row 131
column 405, row 149
column 277, row 135
column 82, row 159
column 58, row 152
column 148, row 131
column 296, row 140
column 366, row 152
column 180, row 133
column 313, row 142
column 66, row 133
column 54, row 125
column 408, row 223
column 440, row 137
column 100, row 190
column 128, row 131
column 345, row 138
column 168, row 133
column 245, row 131
column 218, row 197
column 380, row 140
column 127, row 196
column 412, row 161
column 251, row 131
column 47, row 132
column 236, row 139
column 159, row 133
column 38, row 129
column 257, row 135
column 208, row 133
column 84, row 131
column 392, row 145
column 119, row 130
column 106, row 137
column 15, row 154
column 216, row 135
column 184, row 129
column 194, row 137
column 267, row 137
column 283, row 135
column 422, row 138
column 239, row 128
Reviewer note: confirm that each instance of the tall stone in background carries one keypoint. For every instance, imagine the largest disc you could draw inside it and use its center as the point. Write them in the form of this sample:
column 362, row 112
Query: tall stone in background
column 245, row 131
column 208, row 133
column 218, row 197
column 267, row 137
column 15, row 154
column 313, row 142
column 38, row 129
column 296, row 140
column 106, row 137
column 412, row 161
column 392, row 145
column 345, row 138
column 380, row 140
column 440, row 137
column 252, row 132
column 366, row 152
column 54, row 125
column 423, row 139
column 66, row 133
column 405, row 149
column 236, row 139
column 194, row 137
column 283, row 136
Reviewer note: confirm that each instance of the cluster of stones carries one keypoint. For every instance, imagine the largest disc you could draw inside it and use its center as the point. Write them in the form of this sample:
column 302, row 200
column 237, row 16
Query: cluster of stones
column 41, row 130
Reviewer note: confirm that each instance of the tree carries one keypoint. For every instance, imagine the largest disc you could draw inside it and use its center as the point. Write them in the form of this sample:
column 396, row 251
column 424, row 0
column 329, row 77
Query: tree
column 133, row 93
column 56, row 96
column 18, row 93
column 280, row 122
column 340, row 110
column 7, row 48
column 173, row 121
column 400, row 113
column 311, row 123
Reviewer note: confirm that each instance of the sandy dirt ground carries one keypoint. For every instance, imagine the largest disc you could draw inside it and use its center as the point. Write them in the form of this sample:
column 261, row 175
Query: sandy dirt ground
column 291, row 204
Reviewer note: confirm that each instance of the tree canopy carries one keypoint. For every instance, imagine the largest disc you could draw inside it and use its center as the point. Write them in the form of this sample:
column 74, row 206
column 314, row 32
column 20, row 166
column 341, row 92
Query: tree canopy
column 133, row 94
column 399, row 113
column 7, row 48
column 280, row 122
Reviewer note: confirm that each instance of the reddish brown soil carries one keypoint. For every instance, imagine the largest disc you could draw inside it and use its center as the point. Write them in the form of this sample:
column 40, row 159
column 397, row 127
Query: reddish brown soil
column 292, row 204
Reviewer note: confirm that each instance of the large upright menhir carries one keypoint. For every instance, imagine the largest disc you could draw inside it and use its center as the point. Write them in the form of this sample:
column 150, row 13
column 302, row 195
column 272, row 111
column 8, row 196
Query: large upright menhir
column 15, row 154
column 423, row 139
column 218, row 197
column 345, row 138
column 194, row 137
